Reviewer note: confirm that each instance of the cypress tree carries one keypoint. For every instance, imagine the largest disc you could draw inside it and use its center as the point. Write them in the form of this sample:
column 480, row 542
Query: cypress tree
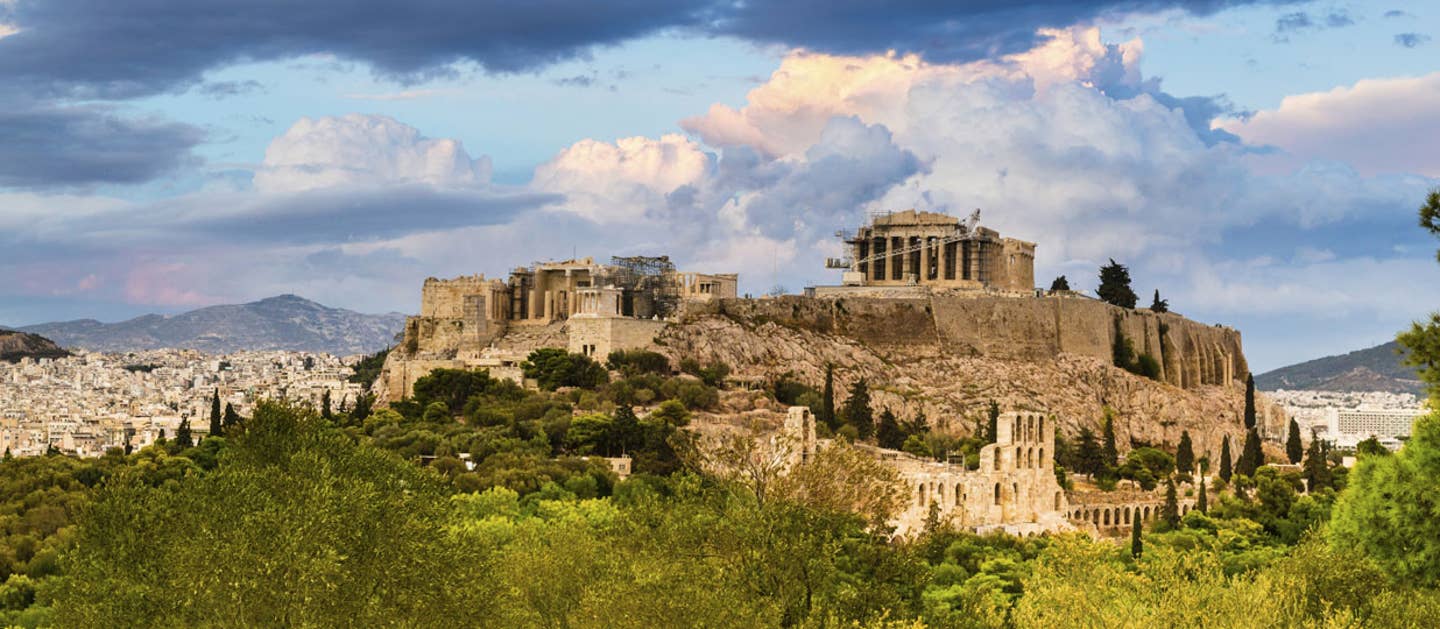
column 231, row 417
column 857, row 409
column 325, row 406
column 1159, row 305
column 1316, row 470
column 1185, row 455
column 888, row 433
column 1251, row 456
column 625, row 430
column 1089, row 459
column 827, row 404
column 182, row 434
column 1115, row 285
column 1249, row 401
column 215, row 425
column 1225, row 459
column 1109, row 455
column 1136, row 546
column 1293, row 449
column 1201, row 503
column 1171, row 513
column 992, row 432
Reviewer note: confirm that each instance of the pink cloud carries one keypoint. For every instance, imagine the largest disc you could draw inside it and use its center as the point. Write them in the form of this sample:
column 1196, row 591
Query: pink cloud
column 160, row 285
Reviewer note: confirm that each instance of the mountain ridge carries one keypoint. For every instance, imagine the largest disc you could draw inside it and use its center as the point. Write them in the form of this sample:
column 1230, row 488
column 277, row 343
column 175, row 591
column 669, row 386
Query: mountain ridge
column 1377, row 368
column 282, row 322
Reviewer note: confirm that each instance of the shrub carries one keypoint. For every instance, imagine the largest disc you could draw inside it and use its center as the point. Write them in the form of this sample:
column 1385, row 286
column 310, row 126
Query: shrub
column 553, row 368
column 637, row 361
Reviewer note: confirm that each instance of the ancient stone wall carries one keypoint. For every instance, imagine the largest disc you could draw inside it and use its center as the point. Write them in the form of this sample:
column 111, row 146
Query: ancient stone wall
column 598, row 336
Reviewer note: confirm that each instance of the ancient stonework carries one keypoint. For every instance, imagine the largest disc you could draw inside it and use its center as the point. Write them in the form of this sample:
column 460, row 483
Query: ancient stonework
column 911, row 248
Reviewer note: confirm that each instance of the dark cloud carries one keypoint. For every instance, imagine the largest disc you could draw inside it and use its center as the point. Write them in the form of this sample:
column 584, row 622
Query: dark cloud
column 1300, row 21
column 579, row 80
column 1291, row 22
column 1397, row 13
column 107, row 49
column 49, row 147
column 225, row 89
column 1411, row 40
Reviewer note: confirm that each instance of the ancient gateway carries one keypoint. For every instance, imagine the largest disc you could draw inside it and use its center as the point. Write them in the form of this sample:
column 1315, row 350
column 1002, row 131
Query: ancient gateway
column 929, row 249
column 590, row 308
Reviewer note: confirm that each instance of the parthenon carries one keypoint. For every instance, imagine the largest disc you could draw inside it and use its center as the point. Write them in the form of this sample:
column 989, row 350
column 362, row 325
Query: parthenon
column 912, row 248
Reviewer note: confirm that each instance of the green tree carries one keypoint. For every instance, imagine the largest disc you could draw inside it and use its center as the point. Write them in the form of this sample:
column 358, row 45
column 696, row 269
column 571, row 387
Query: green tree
column 1108, row 454
column 1136, row 545
column 857, row 411
column 1170, row 513
column 888, row 433
column 216, row 427
column 1185, row 455
column 1388, row 507
column 1251, row 456
column 1316, row 470
column 231, row 418
column 1293, row 450
column 827, row 405
column 1201, row 503
column 1115, row 285
column 553, row 368
column 325, row 412
column 1088, row 457
column 993, row 414
column 183, row 438
column 1060, row 283
column 1158, row 304
column 1224, row 470
column 1249, row 401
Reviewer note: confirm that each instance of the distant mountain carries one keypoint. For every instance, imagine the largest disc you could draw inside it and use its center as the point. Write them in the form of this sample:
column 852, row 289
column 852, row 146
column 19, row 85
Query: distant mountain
column 286, row 322
column 1375, row 369
column 16, row 345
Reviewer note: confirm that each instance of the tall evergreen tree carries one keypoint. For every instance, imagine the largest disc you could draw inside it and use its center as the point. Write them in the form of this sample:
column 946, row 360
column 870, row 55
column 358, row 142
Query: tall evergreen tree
column 857, row 411
column 1158, row 304
column 1249, row 401
column 1251, row 456
column 325, row 406
column 1115, row 285
column 1060, row 283
column 827, row 400
column 1185, row 455
column 1109, row 456
column 1293, row 450
column 992, row 432
column 1136, row 546
column 1089, row 460
column 182, row 434
column 625, row 432
column 1201, row 503
column 1316, row 470
column 1224, row 469
column 1171, row 512
column 888, row 433
column 215, row 425
column 232, row 418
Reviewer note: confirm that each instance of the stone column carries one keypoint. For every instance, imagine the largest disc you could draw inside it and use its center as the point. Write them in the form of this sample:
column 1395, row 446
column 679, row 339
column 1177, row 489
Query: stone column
column 924, row 259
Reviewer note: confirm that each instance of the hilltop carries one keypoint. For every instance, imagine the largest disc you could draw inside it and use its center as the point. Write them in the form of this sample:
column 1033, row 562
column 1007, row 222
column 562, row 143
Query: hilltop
column 286, row 322
column 1372, row 369
column 16, row 345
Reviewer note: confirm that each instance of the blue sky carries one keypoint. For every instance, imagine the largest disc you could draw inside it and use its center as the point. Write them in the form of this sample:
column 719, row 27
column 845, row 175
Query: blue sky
column 1259, row 164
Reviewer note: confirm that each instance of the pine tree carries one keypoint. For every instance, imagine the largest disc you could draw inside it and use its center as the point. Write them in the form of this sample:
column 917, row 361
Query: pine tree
column 1225, row 459
column 888, row 433
column 857, row 409
column 1088, row 455
column 993, row 431
column 1136, row 546
column 215, row 425
column 625, row 430
column 1201, row 503
column 1060, row 283
column 1251, row 456
column 1185, row 455
column 1115, row 285
column 1316, row 470
column 1158, row 304
column 1171, row 512
column 232, row 418
column 827, row 404
column 1293, row 450
column 325, row 406
column 1249, row 401
column 1109, row 456
column 182, row 434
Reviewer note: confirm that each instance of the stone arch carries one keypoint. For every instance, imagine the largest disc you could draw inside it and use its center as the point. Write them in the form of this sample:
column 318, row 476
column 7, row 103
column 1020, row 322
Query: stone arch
column 959, row 497
column 1042, row 427
column 920, row 495
column 1058, row 496
column 1107, row 517
column 998, row 454
column 997, row 493
column 1184, row 509
column 1127, row 515
column 1041, row 458
column 1014, row 491
column 1030, row 429
column 1147, row 513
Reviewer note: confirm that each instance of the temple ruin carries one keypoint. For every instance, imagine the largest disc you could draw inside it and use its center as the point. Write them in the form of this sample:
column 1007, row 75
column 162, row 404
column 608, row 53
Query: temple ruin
column 931, row 250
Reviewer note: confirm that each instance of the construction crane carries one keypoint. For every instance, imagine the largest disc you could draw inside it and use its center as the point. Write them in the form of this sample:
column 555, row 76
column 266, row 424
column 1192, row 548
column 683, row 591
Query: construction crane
column 966, row 230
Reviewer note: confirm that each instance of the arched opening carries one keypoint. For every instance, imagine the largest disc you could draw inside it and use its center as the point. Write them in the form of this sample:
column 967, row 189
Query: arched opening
column 1030, row 429
column 998, row 454
column 1042, row 428
column 1058, row 496
column 997, row 493
column 1147, row 514
column 920, row 495
column 1107, row 517
column 1041, row 458
column 1127, row 515
column 1015, row 491
column 959, row 498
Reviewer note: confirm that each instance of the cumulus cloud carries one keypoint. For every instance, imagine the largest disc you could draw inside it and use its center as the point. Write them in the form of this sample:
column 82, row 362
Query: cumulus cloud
column 1376, row 125
column 622, row 180
column 358, row 150
column 47, row 147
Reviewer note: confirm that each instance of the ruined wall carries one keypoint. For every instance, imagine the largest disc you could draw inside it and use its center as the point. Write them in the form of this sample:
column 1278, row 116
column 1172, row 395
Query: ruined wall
column 598, row 336
column 1191, row 354
column 445, row 299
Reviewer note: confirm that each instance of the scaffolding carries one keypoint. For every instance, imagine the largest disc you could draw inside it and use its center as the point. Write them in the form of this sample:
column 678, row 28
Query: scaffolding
column 649, row 285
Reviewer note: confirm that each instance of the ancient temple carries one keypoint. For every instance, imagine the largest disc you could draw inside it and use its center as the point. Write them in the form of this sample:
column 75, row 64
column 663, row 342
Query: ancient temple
column 912, row 248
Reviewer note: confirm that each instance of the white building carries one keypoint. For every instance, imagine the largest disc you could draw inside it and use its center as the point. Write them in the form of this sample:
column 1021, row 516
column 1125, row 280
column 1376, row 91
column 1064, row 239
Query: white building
column 1378, row 422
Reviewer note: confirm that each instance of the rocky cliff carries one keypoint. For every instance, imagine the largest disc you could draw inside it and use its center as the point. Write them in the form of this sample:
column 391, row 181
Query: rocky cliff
column 17, row 345
column 950, row 356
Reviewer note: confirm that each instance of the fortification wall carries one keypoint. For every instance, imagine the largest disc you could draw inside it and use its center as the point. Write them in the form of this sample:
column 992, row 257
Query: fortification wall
column 1191, row 354
column 598, row 336
column 445, row 299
